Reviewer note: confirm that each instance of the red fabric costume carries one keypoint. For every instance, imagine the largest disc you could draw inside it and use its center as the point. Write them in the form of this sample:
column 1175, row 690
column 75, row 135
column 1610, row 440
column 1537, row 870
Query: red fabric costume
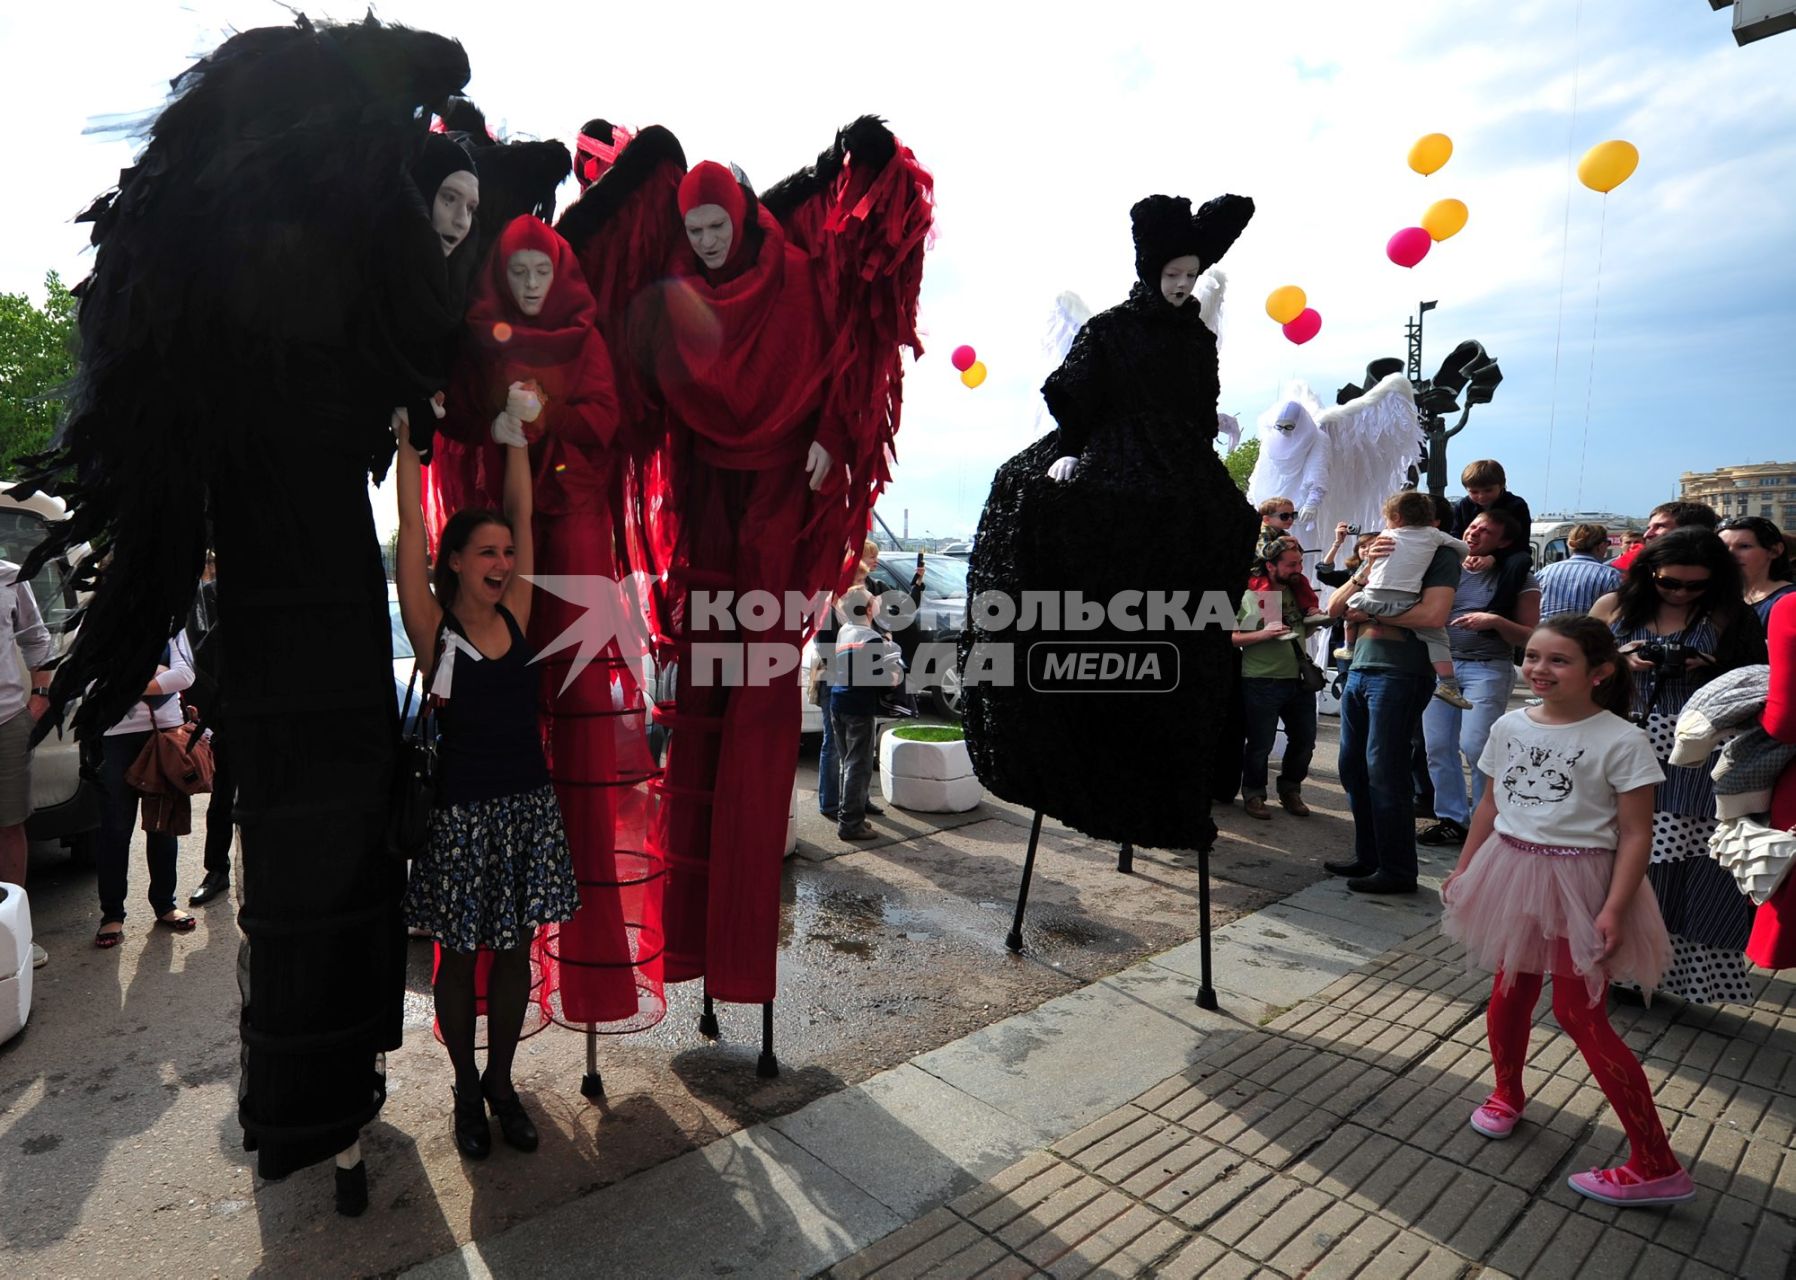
column 732, row 375
column 604, row 965
column 1773, row 941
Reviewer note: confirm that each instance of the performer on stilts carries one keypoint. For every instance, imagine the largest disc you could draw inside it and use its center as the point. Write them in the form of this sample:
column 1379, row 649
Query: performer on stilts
column 759, row 353
column 273, row 277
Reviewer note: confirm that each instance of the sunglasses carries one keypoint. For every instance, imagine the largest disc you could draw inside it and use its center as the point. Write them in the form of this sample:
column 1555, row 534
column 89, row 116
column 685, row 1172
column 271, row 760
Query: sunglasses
column 1284, row 515
column 1679, row 584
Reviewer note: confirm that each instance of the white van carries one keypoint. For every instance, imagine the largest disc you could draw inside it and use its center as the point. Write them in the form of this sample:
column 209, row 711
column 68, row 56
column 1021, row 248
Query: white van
column 65, row 808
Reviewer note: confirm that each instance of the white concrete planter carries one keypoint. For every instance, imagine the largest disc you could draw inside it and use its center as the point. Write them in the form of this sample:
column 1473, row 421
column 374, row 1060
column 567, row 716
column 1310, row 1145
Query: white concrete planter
column 15, row 962
column 927, row 777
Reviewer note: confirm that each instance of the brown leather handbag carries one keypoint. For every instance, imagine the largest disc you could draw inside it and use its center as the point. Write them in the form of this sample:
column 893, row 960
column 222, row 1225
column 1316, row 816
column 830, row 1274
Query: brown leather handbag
column 174, row 765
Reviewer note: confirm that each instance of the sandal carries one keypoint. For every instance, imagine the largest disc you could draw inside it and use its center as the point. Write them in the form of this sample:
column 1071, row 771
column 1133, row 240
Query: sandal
column 106, row 938
column 181, row 923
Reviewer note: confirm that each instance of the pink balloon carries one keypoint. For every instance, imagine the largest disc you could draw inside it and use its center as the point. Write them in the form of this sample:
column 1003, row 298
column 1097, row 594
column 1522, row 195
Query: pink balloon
column 1306, row 326
column 963, row 358
column 1409, row 246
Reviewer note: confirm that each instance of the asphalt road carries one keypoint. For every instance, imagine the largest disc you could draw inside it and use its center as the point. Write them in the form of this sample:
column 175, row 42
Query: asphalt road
column 117, row 1104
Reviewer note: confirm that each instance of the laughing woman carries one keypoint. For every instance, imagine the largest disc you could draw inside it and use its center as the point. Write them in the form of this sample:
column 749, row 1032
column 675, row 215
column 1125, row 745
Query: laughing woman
column 496, row 865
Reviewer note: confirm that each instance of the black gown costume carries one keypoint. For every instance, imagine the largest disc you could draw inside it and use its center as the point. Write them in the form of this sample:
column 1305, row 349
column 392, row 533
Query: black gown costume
column 1150, row 509
column 267, row 287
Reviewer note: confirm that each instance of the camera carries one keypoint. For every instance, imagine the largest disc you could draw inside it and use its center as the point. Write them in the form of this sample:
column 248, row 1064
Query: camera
column 1354, row 530
column 1666, row 656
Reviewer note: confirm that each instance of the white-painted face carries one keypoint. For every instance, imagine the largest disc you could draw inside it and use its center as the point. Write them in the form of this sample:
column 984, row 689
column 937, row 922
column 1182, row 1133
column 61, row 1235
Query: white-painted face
column 1179, row 277
column 452, row 212
column 529, row 272
column 708, row 228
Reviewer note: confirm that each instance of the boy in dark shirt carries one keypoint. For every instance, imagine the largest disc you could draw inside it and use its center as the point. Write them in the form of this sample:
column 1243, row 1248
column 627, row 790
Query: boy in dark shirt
column 1485, row 488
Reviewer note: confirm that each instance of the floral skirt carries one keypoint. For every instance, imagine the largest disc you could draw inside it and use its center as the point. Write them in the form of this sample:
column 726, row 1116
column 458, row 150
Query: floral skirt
column 492, row 871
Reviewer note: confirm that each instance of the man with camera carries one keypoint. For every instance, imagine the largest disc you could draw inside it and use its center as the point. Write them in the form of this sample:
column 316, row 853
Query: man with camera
column 1495, row 609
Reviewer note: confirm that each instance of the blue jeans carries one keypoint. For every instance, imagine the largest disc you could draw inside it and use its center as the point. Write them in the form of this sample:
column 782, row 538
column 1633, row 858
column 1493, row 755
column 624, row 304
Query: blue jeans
column 1380, row 709
column 1264, row 704
column 1452, row 733
column 829, row 769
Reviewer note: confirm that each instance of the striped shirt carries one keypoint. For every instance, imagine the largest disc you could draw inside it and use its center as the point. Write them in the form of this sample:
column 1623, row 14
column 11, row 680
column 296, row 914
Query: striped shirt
column 1572, row 586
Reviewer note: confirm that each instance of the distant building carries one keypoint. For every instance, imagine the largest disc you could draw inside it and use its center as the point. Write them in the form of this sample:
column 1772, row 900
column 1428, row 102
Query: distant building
column 1765, row 489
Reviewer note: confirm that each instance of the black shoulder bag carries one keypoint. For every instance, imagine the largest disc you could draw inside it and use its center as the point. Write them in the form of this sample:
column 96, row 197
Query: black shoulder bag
column 417, row 770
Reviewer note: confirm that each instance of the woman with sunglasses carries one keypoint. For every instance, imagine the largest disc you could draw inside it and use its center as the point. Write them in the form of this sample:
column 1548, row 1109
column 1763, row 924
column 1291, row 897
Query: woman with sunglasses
column 1759, row 549
column 1682, row 620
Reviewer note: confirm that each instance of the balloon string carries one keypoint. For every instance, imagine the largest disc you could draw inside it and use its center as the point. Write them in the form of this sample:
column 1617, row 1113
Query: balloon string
column 1590, row 378
column 1571, row 133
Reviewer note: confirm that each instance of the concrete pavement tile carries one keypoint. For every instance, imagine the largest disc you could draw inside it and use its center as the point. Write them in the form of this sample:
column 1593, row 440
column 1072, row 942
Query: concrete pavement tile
column 1208, row 1187
column 1401, row 915
column 1035, row 1190
column 1175, row 994
column 1050, row 1213
column 1279, row 1228
column 1146, row 1181
column 1039, row 1066
column 1152, row 1148
column 753, row 1203
column 1251, row 962
column 1003, row 1183
column 934, row 1254
column 1200, row 1257
column 1369, row 937
column 1272, row 1197
column 1143, row 1254
column 1105, row 1127
column 896, row 1245
column 1338, row 1242
column 908, row 1139
column 975, row 1259
column 1073, row 1231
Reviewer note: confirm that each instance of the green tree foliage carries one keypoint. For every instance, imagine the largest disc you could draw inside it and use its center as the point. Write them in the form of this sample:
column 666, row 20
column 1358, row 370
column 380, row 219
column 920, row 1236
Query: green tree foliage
column 37, row 357
column 1240, row 461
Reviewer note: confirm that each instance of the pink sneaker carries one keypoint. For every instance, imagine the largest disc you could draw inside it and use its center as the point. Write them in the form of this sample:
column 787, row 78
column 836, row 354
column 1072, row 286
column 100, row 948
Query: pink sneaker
column 1495, row 1118
column 1622, row 1186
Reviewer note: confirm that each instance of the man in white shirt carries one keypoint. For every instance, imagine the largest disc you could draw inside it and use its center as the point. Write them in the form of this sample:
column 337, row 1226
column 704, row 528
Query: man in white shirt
column 22, row 701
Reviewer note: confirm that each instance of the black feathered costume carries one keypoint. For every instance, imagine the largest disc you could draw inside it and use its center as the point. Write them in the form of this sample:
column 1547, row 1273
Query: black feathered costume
column 266, row 289
column 1149, row 509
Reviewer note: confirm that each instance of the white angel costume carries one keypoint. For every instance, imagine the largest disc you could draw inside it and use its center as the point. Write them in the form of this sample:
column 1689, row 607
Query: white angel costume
column 1295, row 459
column 1372, row 442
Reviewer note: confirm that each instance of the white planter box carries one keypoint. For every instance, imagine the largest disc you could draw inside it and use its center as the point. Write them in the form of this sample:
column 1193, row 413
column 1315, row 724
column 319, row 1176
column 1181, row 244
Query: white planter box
column 928, row 777
column 15, row 962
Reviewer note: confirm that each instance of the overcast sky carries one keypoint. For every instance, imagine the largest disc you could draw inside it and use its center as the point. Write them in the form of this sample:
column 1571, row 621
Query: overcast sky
column 1043, row 126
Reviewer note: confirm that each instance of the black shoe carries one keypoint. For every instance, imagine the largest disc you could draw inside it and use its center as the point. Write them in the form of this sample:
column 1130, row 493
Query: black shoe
column 1444, row 832
column 874, row 811
column 1348, row 869
column 473, row 1136
column 215, row 885
column 1381, row 882
column 1627, row 995
column 514, row 1121
column 828, row 813
column 863, row 832
column 352, row 1189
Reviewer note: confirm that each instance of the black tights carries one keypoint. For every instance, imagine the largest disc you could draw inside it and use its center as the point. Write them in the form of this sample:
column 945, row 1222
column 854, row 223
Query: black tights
column 507, row 994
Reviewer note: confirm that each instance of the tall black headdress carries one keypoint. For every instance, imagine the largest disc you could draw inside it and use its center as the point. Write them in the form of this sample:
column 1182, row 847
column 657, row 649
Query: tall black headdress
column 1165, row 228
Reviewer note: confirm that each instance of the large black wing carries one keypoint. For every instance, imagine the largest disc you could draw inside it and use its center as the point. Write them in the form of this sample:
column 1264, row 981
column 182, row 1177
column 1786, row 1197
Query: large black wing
column 237, row 260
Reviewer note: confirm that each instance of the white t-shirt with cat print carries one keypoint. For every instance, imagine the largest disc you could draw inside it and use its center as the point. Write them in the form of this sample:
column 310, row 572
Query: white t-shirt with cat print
column 1556, row 784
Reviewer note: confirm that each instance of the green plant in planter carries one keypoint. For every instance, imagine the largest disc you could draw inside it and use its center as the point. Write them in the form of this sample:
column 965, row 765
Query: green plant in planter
column 929, row 733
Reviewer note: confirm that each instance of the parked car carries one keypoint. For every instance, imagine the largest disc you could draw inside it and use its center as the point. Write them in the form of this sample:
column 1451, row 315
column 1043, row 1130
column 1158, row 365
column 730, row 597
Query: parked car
column 65, row 806
column 403, row 660
column 930, row 641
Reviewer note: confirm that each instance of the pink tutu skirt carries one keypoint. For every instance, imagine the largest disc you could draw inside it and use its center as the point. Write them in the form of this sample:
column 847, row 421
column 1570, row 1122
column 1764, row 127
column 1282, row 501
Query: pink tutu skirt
column 1518, row 901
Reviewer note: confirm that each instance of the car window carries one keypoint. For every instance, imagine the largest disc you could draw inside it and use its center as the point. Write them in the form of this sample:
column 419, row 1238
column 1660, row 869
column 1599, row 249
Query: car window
column 943, row 576
column 20, row 532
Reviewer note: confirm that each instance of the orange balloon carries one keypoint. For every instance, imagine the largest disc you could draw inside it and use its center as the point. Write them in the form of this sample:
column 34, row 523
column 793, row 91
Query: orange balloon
column 973, row 374
column 1430, row 152
column 1608, row 164
column 1445, row 218
column 1285, row 303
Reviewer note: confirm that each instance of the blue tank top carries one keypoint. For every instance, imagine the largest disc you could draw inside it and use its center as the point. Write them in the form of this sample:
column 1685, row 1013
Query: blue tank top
column 491, row 743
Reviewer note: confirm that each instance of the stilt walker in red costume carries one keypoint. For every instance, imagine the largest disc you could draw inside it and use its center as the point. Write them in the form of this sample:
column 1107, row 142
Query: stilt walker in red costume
column 532, row 350
column 760, row 343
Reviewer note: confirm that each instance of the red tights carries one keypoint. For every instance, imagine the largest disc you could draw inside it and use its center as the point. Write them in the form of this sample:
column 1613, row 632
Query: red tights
column 1614, row 1065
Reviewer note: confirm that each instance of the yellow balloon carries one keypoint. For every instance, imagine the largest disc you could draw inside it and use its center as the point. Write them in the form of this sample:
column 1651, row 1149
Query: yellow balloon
column 1285, row 303
column 1608, row 164
column 1445, row 218
column 1430, row 152
column 973, row 374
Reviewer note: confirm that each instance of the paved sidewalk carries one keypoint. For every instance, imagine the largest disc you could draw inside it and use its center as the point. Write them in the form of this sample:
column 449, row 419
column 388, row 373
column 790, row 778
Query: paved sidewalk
column 1315, row 1127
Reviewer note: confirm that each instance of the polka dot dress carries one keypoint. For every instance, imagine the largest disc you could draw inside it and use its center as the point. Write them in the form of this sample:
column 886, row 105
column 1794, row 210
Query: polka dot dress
column 1708, row 917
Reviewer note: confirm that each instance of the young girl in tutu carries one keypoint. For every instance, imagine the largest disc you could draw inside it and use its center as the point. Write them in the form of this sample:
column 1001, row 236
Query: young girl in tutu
column 1552, row 881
